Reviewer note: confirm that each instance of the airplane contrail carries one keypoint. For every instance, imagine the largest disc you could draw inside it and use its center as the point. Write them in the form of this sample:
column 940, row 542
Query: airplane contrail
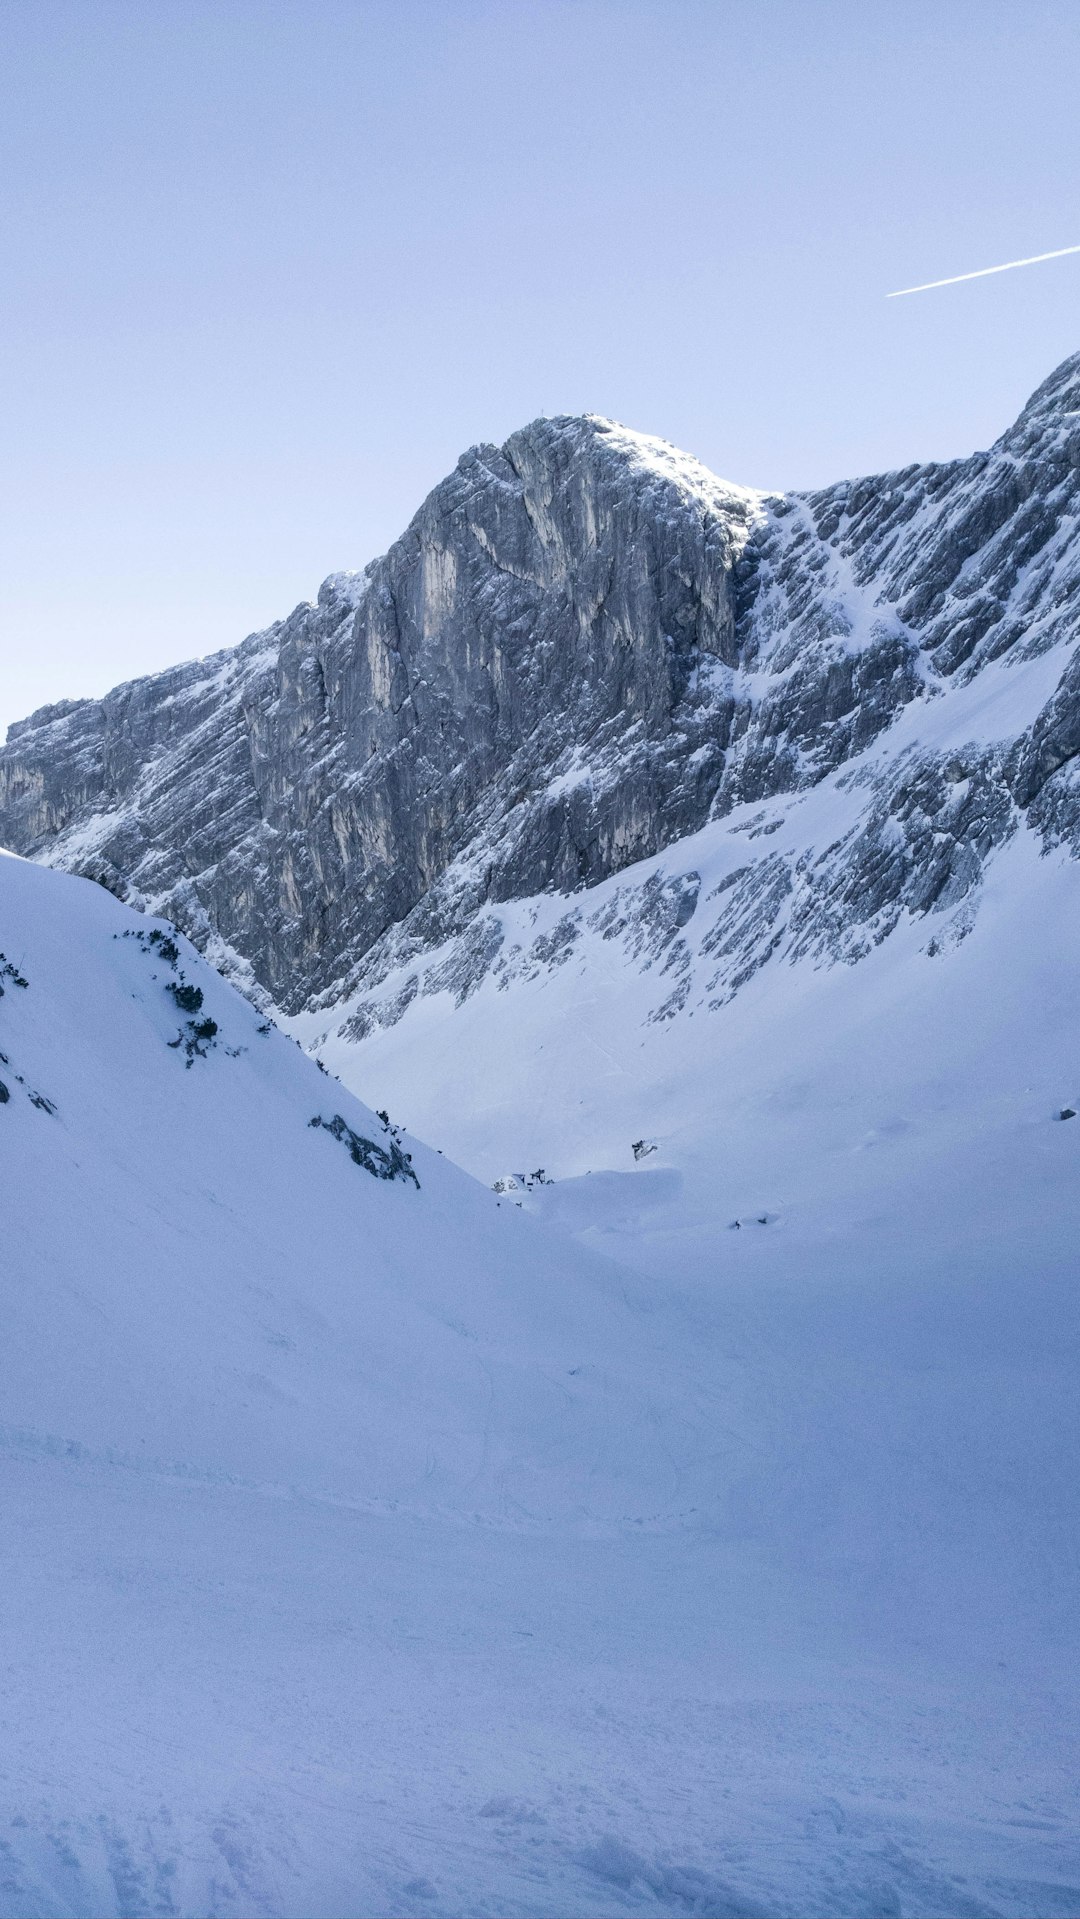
column 982, row 272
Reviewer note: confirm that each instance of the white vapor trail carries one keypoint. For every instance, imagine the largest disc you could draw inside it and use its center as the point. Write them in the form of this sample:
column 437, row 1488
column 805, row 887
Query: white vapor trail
column 982, row 272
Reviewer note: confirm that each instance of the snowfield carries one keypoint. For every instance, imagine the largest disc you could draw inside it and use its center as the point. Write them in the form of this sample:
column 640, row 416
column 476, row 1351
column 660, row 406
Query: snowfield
column 374, row 1548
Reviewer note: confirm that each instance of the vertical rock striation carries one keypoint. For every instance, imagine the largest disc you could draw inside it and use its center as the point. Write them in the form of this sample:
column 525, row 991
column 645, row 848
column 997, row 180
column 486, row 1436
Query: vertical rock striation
column 582, row 648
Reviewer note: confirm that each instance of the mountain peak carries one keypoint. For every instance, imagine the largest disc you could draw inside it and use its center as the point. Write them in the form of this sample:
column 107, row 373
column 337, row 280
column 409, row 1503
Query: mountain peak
column 1056, row 402
column 583, row 648
column 644, row 456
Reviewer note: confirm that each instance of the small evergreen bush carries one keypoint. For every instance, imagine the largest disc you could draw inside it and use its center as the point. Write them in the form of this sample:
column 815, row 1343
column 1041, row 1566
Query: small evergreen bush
column 188, row 998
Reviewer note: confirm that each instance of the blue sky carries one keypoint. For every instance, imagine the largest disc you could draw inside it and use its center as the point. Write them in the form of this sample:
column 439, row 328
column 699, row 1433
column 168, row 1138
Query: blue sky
column 267, row 269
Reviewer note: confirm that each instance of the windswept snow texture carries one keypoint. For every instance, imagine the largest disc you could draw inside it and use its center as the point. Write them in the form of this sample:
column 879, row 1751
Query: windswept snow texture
column 375, row 1548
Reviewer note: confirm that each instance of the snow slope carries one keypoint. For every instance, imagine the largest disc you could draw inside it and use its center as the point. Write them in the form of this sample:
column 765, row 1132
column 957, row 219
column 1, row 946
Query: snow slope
column 880, row 1083
column 379, row 1548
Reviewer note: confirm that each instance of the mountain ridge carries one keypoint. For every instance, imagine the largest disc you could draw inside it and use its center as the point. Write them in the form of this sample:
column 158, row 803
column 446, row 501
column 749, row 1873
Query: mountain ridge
column 582, row 648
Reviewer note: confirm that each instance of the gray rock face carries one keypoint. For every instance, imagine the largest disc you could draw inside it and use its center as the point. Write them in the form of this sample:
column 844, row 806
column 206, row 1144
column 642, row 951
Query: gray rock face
column 583, row 648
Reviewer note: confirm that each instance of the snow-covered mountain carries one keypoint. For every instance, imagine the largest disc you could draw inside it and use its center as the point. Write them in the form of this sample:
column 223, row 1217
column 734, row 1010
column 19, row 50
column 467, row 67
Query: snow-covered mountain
column 584, row 648
column 374, row 1544
column 601, row 741
column 372, row 1547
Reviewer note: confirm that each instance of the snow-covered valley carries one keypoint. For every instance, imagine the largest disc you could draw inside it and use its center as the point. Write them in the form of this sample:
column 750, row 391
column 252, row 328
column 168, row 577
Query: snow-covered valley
column 658, row 1491
column 374, row 1547
column 707, row 1037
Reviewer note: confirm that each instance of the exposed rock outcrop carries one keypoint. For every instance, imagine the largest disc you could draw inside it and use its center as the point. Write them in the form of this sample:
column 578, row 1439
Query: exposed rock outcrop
column 582, row 648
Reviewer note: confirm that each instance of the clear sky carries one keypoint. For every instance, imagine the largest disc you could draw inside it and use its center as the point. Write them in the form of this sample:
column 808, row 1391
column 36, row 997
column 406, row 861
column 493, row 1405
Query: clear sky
column 268, row 268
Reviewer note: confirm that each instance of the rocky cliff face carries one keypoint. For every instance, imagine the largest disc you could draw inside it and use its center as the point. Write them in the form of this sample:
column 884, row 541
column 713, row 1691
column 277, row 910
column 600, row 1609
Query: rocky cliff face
column 582, row 649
